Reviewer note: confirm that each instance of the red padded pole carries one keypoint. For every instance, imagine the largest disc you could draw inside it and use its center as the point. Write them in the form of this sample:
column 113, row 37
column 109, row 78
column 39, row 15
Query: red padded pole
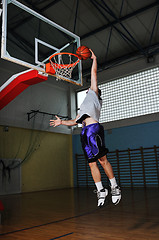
column 18, row 85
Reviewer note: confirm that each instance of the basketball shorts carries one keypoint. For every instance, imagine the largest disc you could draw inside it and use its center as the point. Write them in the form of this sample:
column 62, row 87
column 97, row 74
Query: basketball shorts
column 92, row 139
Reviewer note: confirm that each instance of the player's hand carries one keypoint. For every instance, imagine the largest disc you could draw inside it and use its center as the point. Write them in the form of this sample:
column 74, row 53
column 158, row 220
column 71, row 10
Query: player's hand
column 93, row 56
column 56, row 122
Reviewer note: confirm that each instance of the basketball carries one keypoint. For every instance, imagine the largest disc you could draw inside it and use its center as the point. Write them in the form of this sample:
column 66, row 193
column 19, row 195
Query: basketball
column 83, row 52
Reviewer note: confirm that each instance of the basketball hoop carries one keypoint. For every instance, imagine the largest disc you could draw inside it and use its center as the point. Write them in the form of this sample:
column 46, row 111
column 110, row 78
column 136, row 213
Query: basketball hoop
column 62, row 69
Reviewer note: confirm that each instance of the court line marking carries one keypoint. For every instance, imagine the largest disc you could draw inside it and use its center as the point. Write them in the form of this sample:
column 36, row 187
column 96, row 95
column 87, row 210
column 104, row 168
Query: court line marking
column 62, row 236
column 45, row 224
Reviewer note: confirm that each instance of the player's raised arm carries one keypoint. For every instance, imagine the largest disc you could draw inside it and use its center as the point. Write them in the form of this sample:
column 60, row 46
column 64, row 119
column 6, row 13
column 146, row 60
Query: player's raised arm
column 94, row 85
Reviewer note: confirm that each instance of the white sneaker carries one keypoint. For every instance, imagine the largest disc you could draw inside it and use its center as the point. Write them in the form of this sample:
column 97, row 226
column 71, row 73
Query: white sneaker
column 116, row 195
column 101, row 195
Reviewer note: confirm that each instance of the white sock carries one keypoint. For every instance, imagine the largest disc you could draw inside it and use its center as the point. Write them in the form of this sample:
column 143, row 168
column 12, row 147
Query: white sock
column 113, row 182
column 99, row 186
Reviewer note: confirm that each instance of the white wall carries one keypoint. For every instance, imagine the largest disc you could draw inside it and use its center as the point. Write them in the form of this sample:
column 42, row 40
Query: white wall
column 127, row 69
column 56, row 97
column 50, row 97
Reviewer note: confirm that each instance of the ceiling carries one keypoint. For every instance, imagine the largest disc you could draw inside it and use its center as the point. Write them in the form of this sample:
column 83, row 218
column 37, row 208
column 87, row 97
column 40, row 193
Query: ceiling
column 116, row 30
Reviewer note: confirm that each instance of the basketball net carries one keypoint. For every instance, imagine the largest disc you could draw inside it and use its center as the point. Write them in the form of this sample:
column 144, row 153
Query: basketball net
column 62, row 69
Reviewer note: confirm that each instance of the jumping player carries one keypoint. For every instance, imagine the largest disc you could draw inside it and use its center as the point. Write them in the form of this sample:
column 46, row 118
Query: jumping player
column 92, row 138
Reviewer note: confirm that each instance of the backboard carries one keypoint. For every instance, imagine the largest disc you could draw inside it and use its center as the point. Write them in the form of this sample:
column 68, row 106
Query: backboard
column 29, row 39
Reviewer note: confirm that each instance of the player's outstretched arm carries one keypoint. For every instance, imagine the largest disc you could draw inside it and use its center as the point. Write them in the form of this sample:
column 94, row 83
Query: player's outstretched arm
column 94, row 85
column 58, row 121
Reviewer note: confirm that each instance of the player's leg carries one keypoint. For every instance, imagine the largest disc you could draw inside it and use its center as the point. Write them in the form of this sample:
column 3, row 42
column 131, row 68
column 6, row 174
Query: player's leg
column 90, row 148
column 101, row 192
column 115, row 189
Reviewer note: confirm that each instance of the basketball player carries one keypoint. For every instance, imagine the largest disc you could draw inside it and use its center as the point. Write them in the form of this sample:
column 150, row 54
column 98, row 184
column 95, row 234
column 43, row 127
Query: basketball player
column 92, row 138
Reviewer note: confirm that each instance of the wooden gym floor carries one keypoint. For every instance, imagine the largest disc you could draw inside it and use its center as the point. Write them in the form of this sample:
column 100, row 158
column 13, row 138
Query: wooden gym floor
column 71, row 214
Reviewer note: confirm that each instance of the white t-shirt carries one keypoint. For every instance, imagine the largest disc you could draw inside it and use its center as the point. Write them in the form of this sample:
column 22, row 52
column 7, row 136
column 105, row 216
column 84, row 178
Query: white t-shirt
column 91, row 106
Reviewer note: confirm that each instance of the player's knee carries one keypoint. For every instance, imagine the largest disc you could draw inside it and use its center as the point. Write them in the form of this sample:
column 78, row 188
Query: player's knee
column 103, row 160
column 92, row 164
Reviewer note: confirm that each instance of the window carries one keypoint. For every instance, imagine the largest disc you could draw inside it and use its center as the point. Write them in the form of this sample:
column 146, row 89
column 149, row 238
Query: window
column 80, row 97
column 130, row 96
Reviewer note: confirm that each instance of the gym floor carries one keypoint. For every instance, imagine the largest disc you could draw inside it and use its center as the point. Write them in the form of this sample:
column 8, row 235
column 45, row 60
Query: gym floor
column 72, row 214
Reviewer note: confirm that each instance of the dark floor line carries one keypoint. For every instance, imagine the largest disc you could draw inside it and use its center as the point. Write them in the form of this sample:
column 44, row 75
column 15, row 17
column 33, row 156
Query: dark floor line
column 62, row 220
column 62, row 236
column 45, row 224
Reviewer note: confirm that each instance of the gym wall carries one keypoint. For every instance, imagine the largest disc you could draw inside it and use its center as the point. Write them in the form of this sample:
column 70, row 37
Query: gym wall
column 133, row 137
column 46, row 158
column 50, row 165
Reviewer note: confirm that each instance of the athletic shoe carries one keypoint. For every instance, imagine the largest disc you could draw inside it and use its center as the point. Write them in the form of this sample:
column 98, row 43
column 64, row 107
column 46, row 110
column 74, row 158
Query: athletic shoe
column 116, row 195
column 101, row 195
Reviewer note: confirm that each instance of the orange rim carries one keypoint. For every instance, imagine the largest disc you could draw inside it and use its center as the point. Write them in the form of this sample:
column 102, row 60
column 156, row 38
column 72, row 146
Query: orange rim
column 57, row 65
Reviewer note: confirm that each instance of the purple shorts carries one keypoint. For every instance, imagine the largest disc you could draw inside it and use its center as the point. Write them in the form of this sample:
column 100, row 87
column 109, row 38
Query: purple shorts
column 92, row 139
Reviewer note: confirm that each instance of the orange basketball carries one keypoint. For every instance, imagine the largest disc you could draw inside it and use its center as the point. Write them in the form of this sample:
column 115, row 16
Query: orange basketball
column 83, row 52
